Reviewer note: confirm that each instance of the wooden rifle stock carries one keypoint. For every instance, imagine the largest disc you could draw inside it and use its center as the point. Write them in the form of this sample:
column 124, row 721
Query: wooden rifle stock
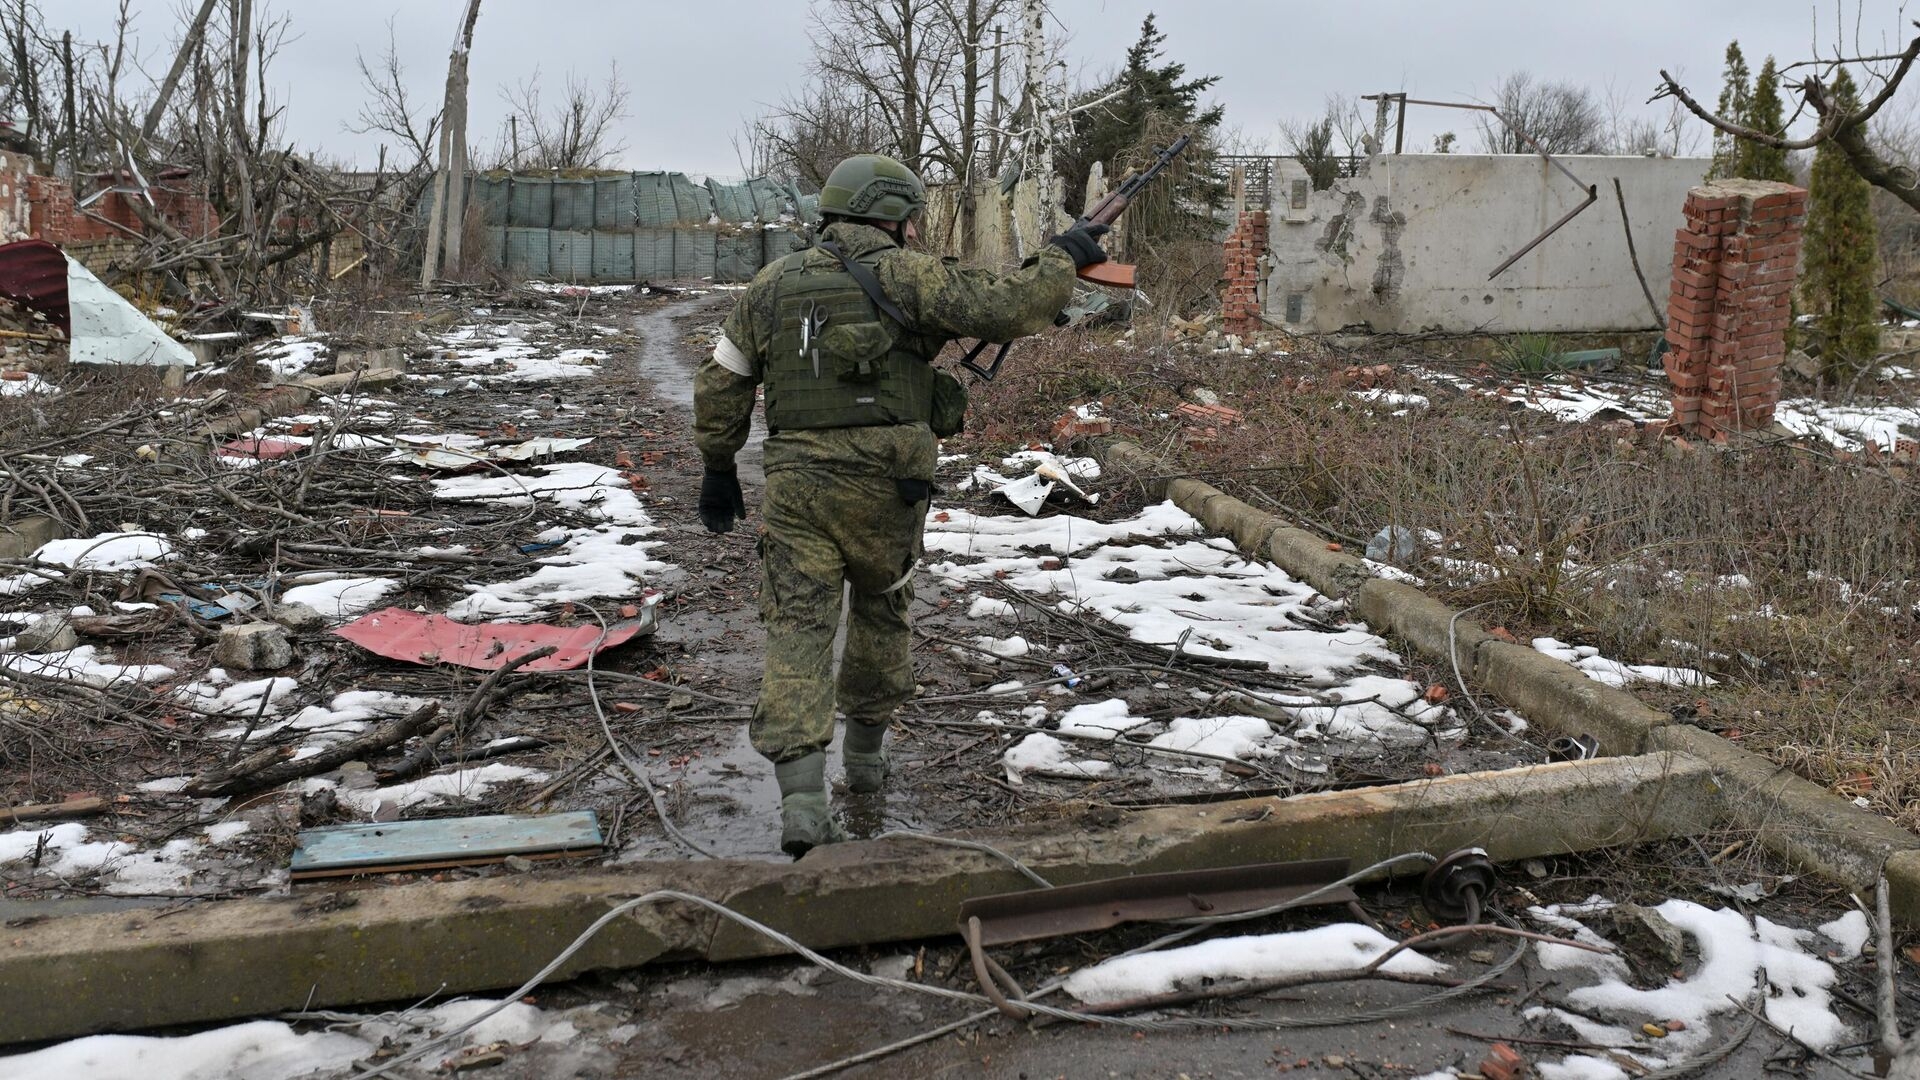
column 1121, row 275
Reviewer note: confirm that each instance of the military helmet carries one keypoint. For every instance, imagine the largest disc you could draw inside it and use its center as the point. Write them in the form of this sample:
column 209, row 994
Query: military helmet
column 873, row 186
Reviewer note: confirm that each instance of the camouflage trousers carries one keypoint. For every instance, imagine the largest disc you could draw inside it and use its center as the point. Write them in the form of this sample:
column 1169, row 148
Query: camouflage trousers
column 823, row 529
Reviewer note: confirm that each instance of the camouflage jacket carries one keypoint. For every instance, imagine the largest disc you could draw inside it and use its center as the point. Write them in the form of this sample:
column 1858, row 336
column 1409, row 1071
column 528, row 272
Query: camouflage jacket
column 941, row 300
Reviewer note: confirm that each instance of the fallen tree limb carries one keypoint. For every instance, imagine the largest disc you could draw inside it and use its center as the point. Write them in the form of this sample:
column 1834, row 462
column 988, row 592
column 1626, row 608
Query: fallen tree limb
column 471, row 712
column 269, row 768
column 72, row 808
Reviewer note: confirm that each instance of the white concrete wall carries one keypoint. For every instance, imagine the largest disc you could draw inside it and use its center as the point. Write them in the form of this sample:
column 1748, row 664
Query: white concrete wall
column 1407, row 245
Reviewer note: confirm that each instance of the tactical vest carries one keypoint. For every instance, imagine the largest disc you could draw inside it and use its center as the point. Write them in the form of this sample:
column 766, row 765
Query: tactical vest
column 857, row 369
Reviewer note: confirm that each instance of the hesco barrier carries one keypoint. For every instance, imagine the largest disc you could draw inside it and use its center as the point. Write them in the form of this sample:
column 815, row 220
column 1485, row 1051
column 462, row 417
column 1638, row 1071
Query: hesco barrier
column 641, row 226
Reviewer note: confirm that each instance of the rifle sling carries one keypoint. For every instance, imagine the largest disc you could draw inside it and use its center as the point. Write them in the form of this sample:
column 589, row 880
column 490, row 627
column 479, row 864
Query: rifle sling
column 867, row 282
column 871, row 286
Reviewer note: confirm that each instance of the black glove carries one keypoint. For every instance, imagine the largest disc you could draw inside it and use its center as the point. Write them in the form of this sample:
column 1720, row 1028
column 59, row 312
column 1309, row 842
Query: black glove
column 721, row 502
column 1083, row 243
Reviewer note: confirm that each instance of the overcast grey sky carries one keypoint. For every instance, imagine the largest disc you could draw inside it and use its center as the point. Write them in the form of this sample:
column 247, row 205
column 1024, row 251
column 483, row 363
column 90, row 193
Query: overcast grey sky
column 699, row 71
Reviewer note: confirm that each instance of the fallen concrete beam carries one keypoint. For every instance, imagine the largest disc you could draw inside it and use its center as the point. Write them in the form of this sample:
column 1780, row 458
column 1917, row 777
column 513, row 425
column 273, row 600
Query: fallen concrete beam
column 351, row 380
column 1799, row 819
column 1565, row 698
column 1810, row 827
column 122, row 971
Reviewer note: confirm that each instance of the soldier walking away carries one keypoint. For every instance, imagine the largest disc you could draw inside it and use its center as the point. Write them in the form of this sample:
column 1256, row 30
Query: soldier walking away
column 842, row 336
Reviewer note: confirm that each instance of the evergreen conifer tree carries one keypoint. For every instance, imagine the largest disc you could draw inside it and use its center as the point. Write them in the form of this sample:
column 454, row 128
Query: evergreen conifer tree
column 1840, row 251
column 1764, row 112
column 1734, row 92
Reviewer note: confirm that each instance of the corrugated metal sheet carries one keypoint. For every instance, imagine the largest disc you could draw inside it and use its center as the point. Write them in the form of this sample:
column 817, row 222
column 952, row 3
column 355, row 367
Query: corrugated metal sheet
column 612, row 255
column 531, row 206
column 570, row 254
column 528, row 252
column 33, row 274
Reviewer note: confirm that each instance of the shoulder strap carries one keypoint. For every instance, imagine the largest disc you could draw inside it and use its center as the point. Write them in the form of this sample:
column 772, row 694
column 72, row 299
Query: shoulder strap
column 868, row 283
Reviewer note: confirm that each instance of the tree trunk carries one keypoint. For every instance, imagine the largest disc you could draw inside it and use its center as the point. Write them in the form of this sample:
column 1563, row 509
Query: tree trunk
column 1895, row 180
column 189, row 46
column 242, row 31
column 73, row 122
column 1037, row 157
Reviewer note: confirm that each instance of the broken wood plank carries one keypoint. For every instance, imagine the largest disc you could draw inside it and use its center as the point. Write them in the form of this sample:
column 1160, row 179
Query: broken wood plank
column 86, row 806
column 379, row 847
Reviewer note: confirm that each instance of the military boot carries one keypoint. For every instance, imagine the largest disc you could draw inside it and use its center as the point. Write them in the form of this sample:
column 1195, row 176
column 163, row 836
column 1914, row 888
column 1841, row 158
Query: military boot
column 865, row 752
column 806, row 818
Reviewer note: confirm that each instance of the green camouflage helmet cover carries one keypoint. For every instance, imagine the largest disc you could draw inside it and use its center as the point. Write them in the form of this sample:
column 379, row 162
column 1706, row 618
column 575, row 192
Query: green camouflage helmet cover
column 873, row 186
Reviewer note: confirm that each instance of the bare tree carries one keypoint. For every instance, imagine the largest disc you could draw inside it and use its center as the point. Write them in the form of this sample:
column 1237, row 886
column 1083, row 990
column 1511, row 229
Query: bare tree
column 1341, row 132
column 915, row 79
column 578, row 131
column 1631, row 129
column 388, row 109
column 1561, row 118
column 815, row 129
column 1848, row 128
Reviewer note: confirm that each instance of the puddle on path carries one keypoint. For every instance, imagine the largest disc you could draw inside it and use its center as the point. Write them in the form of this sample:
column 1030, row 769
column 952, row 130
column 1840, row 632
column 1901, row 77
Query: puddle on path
column 669, row 366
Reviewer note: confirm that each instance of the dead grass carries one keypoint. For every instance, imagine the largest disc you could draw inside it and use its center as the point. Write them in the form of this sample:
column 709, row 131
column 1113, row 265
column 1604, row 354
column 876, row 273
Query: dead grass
column 1788, row 574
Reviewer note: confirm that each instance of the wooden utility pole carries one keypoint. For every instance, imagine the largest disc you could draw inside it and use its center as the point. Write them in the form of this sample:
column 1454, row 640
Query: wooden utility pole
column 449, row 183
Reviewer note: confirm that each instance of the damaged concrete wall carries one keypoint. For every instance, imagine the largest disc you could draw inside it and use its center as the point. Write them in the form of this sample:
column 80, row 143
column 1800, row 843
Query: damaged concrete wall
column 1406, row 245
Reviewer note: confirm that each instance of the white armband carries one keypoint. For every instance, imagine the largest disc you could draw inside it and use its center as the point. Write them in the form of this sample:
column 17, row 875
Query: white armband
column 729, row 356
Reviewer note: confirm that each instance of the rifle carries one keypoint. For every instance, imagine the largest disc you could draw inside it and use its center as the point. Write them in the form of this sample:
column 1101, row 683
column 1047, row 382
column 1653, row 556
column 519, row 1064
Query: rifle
column 1108, row 210
column 1110, row 273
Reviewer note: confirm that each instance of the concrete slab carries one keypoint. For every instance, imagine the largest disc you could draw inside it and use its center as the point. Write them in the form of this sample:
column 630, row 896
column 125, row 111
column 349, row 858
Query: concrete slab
column 321, row 948
column 23, row 536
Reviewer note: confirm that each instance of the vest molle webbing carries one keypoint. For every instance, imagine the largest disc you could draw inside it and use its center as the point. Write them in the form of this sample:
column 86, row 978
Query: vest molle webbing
column 865, row 376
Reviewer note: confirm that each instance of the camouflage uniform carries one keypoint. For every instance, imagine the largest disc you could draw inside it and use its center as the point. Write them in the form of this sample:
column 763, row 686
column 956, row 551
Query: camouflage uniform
column 837, row 503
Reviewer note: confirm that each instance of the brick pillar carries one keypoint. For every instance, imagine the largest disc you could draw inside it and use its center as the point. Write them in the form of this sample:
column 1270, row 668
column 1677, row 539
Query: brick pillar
column 1240, row 303
column 50, row 209
column 1734, row 264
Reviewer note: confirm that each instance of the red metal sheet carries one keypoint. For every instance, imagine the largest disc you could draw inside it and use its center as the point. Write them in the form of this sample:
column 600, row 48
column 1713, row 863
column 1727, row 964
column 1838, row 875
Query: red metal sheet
column 264, row 449
column 33, row 274
column 399, row 634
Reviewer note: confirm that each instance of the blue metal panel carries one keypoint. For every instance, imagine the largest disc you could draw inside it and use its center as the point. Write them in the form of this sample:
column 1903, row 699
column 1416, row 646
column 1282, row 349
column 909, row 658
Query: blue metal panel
column 393, row 843
column 570, row 254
